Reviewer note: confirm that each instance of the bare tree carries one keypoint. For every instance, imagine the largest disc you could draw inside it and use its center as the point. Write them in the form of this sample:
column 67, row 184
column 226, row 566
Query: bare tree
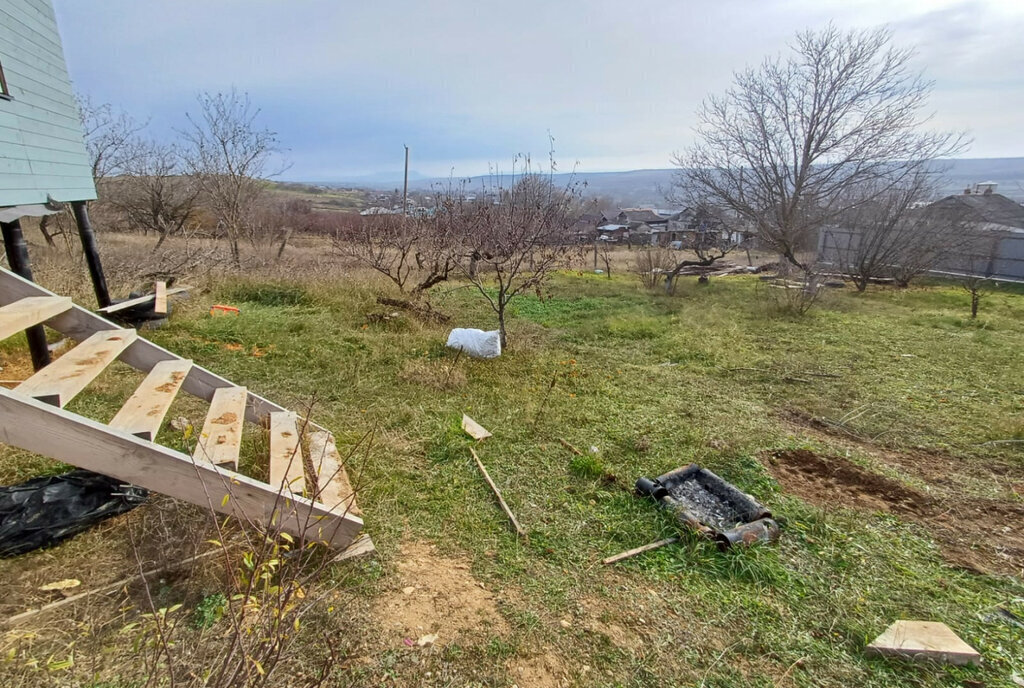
column 782, row 147
column 401, row 248
column 510, row 239
column 153, row 193
column 229, row 155
column 893, row 232
column 978, row 264
column 110, row 137
column 709, row 238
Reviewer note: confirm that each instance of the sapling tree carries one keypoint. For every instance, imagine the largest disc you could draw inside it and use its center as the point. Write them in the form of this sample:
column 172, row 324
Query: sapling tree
column 510, row 238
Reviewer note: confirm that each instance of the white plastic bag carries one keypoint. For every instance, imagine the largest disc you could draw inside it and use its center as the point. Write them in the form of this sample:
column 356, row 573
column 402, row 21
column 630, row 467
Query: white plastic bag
column 476, row 343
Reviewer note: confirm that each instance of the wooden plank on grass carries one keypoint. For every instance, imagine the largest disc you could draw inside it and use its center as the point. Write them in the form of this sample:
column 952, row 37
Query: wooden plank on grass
column 334, row 488
column 144, row 411
column 923, row 640
column 33, row 310
column 59, row 382
column 286, row 453
column 221, row 438
column 140, row 300
column 160, row 298
column 58, row 434
column 474, row 429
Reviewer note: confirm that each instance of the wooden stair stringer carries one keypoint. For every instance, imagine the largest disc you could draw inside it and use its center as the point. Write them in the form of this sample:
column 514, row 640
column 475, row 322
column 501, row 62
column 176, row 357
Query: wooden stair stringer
column 38, row 427
column 79, row 323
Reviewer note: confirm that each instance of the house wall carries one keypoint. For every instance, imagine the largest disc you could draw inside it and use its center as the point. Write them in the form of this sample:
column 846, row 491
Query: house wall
column 42, row 150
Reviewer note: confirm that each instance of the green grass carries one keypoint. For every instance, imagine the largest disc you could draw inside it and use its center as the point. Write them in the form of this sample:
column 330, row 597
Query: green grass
column 653, row 382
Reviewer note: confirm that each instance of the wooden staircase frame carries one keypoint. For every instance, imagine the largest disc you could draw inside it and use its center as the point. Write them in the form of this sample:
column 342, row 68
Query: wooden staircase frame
column 45, row 428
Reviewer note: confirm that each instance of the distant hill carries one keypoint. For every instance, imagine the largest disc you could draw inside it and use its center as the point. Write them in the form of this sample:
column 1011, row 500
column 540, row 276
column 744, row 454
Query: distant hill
column 648, row 187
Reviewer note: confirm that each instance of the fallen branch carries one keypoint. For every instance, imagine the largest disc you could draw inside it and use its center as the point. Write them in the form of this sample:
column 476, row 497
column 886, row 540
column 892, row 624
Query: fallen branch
column 639, row 550
column 571, row 448
column 497, row 493
column 422, row 310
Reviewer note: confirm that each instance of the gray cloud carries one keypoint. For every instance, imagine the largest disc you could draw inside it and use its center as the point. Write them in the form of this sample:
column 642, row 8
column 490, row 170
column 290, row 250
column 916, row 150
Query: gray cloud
column 464, row 83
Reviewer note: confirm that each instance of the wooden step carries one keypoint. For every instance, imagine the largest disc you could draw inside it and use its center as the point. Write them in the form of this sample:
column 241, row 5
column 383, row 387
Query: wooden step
column 59, row 382
column 144, row 411
column 286, row 466
column 31, row 310
column 334, row 489
column 221, row 437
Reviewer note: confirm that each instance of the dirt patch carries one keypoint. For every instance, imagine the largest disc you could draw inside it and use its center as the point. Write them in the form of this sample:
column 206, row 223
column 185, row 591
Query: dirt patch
column 540, row 671
column 436, row 595
column 943, row 471
column 982, row 535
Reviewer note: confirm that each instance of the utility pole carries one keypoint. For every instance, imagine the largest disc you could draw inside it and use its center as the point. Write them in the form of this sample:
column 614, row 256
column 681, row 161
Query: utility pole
column 405, row 186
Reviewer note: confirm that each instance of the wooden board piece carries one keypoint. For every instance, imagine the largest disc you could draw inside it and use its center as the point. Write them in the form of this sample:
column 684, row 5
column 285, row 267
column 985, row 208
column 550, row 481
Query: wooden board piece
column 79, row 323
column 64, row 436
column 33, row 310
column 923, row 641
column 639, row 550
column 474, row 429
column 362, row 546
column 221, row 437
column 285, row 453
column 59, row 382
column 145, row 409
column 160, row 298
column 139, row 301
column 335, row 491
column 497, row 493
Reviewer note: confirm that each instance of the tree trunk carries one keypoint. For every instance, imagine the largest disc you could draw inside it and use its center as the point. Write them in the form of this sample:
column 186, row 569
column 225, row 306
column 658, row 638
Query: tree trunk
column 975, row 302
column 43, row 222
column 160, row 241
column 501, row 327
column 284, row 242
column 595, row 255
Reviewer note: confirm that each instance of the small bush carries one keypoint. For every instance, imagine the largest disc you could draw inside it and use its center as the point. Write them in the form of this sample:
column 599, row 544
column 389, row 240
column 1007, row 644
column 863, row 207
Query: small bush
column 587, row 466
column 209, row 611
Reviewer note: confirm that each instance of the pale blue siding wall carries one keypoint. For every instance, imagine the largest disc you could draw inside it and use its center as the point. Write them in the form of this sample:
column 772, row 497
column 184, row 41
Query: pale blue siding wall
column 41, row 147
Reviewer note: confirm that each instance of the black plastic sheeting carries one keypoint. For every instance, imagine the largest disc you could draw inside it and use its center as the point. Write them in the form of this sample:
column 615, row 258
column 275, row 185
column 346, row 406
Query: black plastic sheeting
column 45, row 511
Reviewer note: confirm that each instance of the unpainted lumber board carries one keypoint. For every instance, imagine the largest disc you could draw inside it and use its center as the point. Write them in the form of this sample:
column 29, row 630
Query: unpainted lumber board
column 160, row 298
column 32, row 310
column 363, row 545
column 79, row 323
column 145, row 409
column 59, row 382
column 334, row 489
column 220, row 440
column 38, row 427
column 474, row 429
column 286, row 453
column 923, row 641
column 140, row 300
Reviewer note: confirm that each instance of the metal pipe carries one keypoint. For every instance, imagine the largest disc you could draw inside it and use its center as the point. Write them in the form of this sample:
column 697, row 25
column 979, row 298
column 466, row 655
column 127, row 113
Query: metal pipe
column 17, row 258
column 92, row 252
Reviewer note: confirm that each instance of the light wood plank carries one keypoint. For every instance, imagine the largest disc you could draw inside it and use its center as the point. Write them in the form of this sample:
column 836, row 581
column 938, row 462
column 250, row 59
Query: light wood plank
column 285, row 453
column 334, row 488
column 474, row 429
column 64, row 436
column 363, row 545
column 221, row 437
column 140, row 300
column 160, row 298
column 59, row 382
column 78, row 323
column 33, row 310
column 145, row 410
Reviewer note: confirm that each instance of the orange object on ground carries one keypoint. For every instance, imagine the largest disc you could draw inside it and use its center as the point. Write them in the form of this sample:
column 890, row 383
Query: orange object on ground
column 218, row 308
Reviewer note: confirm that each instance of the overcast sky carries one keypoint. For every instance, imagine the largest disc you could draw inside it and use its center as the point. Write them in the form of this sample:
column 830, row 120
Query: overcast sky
column 467, row 84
